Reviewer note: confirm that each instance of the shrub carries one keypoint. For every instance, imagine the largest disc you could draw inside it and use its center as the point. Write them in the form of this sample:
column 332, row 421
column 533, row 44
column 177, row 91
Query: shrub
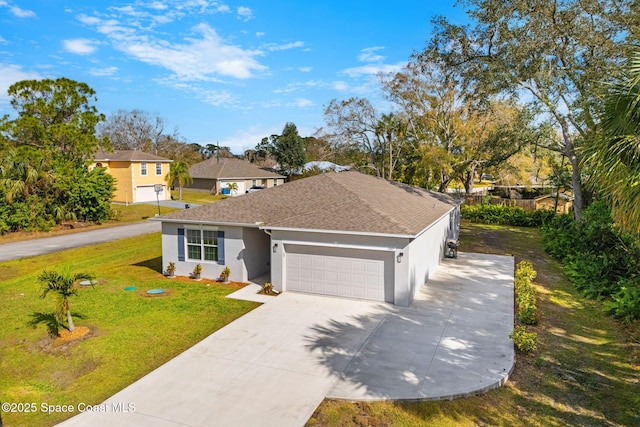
column 523, row 340
column 267, row 288
column 525, row 293
column 599, row 259
column 505, row 215
column 625, row 304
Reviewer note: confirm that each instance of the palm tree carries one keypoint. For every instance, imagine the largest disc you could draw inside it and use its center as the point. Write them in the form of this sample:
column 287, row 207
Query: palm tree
column 179, row 171
column 615, row 157
column 62, row 284
column 232, row 187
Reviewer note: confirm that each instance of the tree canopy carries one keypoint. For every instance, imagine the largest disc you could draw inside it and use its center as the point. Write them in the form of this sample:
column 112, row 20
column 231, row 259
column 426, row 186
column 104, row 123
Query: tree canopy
column 615, row 157
column 287, row 149
column 44, row 177
column 553, row 55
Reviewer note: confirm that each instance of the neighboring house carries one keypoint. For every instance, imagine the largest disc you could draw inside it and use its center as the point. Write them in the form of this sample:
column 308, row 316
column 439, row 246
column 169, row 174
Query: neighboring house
column 214, row 175
column 344, row 234
column 136, row 175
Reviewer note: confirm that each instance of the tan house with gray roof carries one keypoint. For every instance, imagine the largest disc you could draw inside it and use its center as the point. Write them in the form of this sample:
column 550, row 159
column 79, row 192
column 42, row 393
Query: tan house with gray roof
column 343, row 234
column 214, row 175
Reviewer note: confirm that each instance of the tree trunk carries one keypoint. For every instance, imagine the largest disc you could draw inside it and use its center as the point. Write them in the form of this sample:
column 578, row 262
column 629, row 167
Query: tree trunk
column 445, row 178
column 70, row 320
column 576, row 183
column 180, row 192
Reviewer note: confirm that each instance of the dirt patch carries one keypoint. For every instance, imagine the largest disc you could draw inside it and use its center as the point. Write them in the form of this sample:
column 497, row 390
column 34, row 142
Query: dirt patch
column 64, row 341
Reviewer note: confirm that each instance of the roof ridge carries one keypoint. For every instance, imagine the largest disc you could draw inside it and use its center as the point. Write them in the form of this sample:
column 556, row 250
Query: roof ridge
column 366, row 203
column 224, row 163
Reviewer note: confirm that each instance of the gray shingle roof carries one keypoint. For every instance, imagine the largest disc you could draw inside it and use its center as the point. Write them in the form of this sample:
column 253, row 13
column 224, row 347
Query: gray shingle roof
column 129, row 156
column 225, row 168
column 345, row 201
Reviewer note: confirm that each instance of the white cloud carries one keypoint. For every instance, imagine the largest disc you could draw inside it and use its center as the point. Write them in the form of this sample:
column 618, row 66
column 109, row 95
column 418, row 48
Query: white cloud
column 200, row 58
column 101, row 72
column 157, row 5
column 22, row 13
column 260, row 34
column 369, row 54
column 293, row 87
column 217, row 98
column 373, row 69
column 10, row 74
column 302, row 102
column 3, row 40
column 79, row 46
column 305, row 69
column 245, row 13
column 340, row 86
column 248, row 138
column 278, row 47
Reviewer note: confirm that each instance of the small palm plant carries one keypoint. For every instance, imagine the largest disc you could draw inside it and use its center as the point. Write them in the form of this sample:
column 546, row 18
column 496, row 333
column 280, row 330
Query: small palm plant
column 232, row 187
column 62, row 284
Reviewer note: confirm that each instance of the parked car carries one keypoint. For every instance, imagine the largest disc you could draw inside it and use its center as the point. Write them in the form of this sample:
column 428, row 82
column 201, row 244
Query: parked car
column 255, row 188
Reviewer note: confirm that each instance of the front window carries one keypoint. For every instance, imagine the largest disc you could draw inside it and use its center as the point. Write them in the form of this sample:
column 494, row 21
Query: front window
column 275, row 182
column 158, row 168
column 143, row 168
column 202, row 245
column 254, row 182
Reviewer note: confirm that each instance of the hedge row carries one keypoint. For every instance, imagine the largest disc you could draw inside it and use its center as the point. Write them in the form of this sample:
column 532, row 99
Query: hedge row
column 526, row 293
column 525, row 307
column 505, row 215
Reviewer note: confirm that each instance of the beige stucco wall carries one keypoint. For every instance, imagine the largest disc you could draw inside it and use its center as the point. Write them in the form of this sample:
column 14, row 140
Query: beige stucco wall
column 128, row 176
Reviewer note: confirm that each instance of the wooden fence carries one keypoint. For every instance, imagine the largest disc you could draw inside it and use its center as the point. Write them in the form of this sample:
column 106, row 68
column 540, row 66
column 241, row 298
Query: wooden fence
column 531, row 205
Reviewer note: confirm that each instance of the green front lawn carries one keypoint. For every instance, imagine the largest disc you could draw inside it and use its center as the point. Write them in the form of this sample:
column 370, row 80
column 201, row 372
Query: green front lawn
column 199, row 197
column 131, row 333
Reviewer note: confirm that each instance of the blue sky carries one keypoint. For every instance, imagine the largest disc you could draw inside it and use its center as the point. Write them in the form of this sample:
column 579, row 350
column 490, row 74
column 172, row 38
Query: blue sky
column 216, row 71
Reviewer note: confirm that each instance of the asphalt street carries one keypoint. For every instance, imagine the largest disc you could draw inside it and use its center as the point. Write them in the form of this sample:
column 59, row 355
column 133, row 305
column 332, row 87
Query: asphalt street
column 29, row 248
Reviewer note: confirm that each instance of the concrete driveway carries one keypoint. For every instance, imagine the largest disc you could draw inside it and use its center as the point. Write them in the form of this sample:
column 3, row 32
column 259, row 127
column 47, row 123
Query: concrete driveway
column 274, row 366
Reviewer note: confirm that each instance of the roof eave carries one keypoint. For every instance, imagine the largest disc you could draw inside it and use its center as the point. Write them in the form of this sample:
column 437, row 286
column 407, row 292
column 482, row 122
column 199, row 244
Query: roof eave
column 355, row 233
column 195, row 221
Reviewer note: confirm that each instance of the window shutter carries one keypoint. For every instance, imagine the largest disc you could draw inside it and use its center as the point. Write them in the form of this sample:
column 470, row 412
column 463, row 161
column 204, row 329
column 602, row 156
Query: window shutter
column 220, row 247
column 181, row 244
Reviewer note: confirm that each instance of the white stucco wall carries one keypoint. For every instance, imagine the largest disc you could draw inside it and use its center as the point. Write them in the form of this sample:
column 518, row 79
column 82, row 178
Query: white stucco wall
column 426, row 252
column 233, row 248
column 256, row 252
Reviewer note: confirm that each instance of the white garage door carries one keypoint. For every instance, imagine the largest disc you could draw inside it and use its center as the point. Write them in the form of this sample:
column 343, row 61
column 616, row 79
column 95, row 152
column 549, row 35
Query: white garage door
column 147, row 193
column 352, row 273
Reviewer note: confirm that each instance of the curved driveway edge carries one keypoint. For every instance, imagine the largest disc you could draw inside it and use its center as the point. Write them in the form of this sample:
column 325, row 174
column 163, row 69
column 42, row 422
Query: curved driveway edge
column 453, row 341
column 45, row 245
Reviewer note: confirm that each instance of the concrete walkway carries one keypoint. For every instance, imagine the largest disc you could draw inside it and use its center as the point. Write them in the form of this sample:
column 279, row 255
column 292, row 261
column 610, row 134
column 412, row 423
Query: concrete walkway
column 274, row 366
column 29, row 248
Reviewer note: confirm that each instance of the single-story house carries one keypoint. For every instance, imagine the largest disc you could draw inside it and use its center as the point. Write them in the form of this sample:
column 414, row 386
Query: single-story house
column 214, row 175
column 344, row 234
column 138, row 175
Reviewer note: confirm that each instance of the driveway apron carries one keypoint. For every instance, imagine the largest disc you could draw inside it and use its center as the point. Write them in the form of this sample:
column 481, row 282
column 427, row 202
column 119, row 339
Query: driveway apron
column 275, row 365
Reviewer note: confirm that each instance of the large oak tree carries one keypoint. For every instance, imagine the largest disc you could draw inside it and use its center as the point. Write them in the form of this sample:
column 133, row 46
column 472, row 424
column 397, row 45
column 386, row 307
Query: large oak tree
column 553, row 54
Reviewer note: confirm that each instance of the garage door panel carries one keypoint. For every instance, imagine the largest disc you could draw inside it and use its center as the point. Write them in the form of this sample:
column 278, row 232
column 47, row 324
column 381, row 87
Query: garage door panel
column 337, row 271
column 147, row 193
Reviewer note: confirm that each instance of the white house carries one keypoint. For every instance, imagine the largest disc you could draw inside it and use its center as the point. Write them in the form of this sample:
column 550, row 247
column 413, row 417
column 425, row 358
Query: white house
column 344, row 234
